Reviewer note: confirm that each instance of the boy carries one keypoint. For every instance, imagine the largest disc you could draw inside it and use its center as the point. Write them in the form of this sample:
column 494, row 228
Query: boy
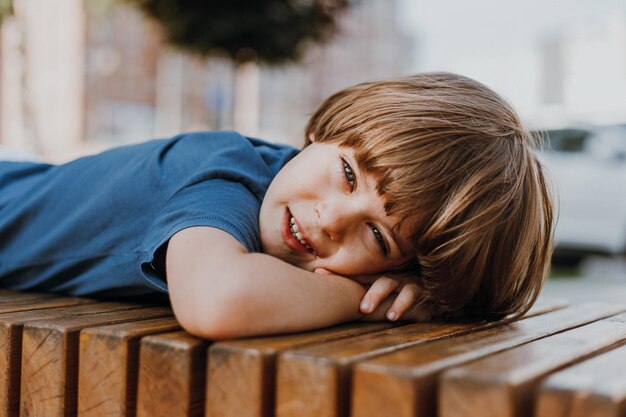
column 424, row 186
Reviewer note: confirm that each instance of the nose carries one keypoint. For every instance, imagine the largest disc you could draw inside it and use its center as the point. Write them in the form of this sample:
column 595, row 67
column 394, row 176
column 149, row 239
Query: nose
column 334, row 217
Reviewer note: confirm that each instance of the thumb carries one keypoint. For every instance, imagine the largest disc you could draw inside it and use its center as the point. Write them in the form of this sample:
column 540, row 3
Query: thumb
column 322, row 271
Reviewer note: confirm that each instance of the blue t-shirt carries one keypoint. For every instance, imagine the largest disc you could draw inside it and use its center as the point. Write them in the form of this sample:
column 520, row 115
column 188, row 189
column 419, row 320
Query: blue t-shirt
column 99, row 225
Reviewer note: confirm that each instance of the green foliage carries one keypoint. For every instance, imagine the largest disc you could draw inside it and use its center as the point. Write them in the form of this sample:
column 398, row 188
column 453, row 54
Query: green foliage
column 272, row 30
column 6, row 9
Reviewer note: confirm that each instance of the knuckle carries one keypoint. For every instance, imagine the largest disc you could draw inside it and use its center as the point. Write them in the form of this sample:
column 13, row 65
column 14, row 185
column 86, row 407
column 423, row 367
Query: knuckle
column 387, row 280
column 376, row 296
column 384, row 284
column 402, row 305
column 409, row 294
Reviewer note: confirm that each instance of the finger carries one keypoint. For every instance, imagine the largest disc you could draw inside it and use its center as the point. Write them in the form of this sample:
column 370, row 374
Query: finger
column 379, row 290
column 322, row 271
column 404, row 300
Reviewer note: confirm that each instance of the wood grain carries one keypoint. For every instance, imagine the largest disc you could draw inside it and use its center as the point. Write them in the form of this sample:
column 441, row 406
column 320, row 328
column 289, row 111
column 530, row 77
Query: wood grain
column 41, row 303
column 50, row 359
column 14, row 296
column 593, row 388
column 315, row 380
column 404, row 383
column 241, row 373
column 504, row 384
column 108, row 366
column 172, row 373
column 11, row 324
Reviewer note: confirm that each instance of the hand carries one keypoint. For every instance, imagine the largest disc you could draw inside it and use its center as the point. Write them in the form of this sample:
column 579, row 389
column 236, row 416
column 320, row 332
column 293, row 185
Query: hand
column 378, row 298
column 379, row 295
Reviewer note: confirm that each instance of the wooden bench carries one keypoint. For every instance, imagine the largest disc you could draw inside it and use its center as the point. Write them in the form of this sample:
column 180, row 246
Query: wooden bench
column 81, row 357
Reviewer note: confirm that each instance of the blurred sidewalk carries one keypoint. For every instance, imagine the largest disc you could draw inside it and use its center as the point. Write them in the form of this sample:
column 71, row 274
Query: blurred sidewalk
column 597, row 279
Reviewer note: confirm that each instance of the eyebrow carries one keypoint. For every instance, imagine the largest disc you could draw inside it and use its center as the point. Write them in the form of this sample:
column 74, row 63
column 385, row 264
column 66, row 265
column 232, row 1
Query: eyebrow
column 359, row 173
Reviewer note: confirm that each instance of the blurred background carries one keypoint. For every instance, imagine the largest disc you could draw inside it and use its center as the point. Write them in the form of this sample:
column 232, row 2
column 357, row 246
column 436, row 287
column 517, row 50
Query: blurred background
column 80, row 76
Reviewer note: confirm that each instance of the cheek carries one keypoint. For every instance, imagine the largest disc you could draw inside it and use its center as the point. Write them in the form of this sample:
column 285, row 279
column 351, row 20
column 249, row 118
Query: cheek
column 353, row 260
column 306, row 184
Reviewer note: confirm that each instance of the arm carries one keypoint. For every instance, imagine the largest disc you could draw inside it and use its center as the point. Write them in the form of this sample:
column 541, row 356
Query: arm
column 218, row 290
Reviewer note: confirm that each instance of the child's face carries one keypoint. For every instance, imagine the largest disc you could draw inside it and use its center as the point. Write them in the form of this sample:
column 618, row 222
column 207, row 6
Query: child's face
column 337, row 212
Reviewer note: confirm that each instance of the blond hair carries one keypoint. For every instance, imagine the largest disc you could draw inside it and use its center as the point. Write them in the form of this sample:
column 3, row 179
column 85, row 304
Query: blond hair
column 455, row 164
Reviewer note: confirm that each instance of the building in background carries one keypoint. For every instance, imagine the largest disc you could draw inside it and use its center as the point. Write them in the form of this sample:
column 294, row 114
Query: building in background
column 577, row 74
column 371, row 46
column 79, row 76
column 42, row 76
column 557, row 62
column 593, row 70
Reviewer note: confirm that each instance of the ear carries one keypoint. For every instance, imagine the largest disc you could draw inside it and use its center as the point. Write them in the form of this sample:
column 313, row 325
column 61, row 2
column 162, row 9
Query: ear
column 311, row 137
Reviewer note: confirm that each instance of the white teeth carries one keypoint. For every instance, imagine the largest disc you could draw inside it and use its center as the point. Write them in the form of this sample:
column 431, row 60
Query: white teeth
column 296, row 233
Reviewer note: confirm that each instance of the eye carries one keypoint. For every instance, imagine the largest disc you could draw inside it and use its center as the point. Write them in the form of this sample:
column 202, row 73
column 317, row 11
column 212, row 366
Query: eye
column 380, row 239
column 349, row 174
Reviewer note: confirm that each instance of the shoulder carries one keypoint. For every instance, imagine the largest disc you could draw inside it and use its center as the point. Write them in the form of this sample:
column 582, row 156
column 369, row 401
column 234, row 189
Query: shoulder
column 230, row 150
column 226, row 139
column 230, row 139
column 225, row 145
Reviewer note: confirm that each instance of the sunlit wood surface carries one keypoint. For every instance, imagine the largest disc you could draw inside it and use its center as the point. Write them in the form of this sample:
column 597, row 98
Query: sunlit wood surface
column 64, row 356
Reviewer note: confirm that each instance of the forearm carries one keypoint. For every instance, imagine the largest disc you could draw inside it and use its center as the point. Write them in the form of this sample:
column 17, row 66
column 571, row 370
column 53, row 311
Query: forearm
column 276, row 297
column 218, row 290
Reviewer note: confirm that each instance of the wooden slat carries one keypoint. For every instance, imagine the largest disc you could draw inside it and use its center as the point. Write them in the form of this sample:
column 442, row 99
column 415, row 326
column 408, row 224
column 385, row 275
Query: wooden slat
column 245, row 368
column 593, row 388
column 404, row 383
column 108, row 366
column 315, row 380
column 171, row 375
column 50, row 359
column 545, row 305
column 41, row 303
column 504, row 384
column 11, row 324
column 11, row 296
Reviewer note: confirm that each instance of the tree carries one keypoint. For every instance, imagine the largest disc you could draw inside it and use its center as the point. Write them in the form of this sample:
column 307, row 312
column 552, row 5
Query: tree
column 274, row 29
column 6, row 9
column 270, row 31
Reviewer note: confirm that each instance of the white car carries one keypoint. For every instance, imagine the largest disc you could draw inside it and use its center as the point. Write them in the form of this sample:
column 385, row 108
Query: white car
column 588, row 166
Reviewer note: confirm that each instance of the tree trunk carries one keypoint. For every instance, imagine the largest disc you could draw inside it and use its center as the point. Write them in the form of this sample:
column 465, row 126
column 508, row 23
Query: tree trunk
column 246, row 106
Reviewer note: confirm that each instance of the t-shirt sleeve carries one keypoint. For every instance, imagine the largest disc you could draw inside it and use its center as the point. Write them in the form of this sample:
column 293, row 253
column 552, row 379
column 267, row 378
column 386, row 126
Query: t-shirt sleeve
column 226, row 205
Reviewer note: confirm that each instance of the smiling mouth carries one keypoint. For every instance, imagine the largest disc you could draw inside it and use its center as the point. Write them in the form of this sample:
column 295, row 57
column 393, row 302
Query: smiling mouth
column 295, row 232
column 294, row 237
